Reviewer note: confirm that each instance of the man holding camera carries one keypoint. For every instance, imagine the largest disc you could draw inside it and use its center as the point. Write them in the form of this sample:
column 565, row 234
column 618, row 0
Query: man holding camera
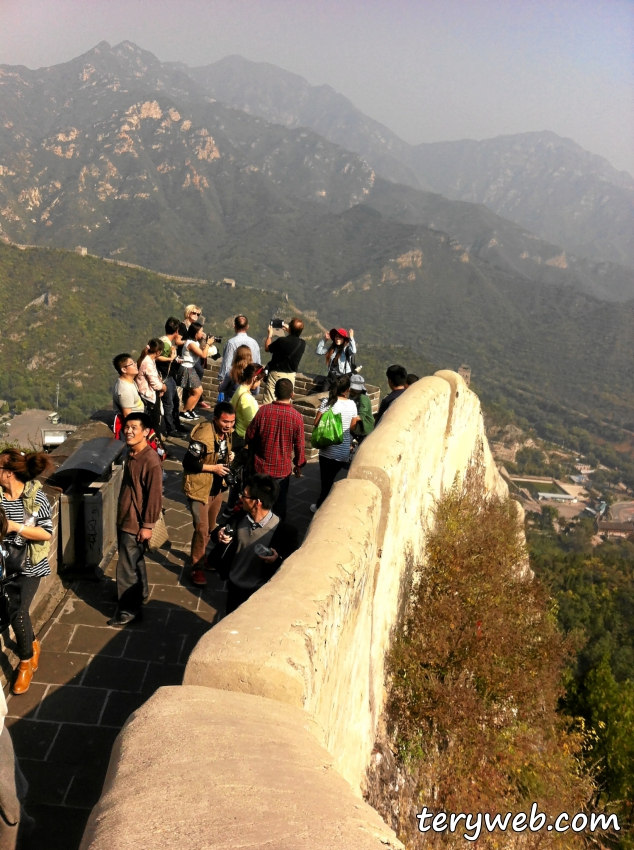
column 287, row 352
column 205, row 467
column 251, row 548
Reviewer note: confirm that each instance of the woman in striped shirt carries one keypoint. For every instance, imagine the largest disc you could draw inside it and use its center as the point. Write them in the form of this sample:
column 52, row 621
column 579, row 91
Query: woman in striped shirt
column 335, row 458
column 29, row 524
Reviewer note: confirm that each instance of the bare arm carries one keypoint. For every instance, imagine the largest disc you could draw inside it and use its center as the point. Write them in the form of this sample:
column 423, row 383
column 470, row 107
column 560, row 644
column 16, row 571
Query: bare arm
column 201, row 352
column 29, row 532
column 269, row 338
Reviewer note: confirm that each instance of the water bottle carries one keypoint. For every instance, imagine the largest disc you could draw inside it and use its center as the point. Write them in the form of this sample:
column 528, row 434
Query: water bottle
column 221, row 397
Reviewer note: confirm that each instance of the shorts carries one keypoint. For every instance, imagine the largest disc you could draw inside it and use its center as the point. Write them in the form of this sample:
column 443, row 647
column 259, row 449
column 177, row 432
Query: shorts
column 189, row 380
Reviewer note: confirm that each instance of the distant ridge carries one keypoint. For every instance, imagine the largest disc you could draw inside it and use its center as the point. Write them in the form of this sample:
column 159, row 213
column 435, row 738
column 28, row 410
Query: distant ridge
column 540, row 180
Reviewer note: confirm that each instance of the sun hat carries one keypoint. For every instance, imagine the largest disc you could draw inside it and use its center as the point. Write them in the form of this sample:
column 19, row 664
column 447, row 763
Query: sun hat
column 357, row 382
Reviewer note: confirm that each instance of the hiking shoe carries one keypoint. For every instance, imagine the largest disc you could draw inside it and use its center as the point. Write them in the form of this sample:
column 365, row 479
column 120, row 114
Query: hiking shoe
column 198, row 578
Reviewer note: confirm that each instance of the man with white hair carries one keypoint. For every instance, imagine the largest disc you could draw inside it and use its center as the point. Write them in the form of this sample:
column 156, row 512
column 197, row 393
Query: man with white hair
column 241, row 327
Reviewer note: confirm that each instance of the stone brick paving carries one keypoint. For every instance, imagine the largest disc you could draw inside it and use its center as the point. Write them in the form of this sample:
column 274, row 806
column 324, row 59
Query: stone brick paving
column 92, row 677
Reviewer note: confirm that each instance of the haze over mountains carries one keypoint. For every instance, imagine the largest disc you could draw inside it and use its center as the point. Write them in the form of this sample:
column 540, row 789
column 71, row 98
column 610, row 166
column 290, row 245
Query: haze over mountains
column 542, row 181
column 142, row 161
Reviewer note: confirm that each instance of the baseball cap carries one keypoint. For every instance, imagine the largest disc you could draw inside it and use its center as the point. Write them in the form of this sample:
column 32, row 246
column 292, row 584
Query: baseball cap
column 342, row 332
column 357, row 382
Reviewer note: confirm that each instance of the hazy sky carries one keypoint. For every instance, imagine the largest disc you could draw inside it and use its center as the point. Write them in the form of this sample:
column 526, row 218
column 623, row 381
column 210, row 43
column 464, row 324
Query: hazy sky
column 431, row 70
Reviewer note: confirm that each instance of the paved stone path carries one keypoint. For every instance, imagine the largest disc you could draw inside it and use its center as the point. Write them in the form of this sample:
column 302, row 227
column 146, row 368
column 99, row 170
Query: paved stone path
column 92, row 677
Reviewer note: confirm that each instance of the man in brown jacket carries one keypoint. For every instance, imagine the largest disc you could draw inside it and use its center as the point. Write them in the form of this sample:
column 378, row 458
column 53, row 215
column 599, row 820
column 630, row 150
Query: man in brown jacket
column 140, row 503
column 205, row 466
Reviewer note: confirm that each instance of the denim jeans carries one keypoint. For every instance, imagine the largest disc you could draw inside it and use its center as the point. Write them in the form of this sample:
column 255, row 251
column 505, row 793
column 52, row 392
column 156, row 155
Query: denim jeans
column 171, row 405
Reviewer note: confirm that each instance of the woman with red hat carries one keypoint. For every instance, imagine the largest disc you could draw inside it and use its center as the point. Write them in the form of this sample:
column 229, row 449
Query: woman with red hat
column 340, row 353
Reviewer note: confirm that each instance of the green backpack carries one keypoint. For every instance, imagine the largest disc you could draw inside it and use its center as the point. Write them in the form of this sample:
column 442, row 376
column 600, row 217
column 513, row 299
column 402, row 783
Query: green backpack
column 328, row 431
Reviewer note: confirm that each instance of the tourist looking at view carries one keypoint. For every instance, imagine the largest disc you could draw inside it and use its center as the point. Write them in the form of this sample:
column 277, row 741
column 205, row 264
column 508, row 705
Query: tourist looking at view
column 359, row 396
column 125, row 396
column 196, row 345
column 149, row 384
column 287, row 352
column 168, row 368
column 397, row 382
column 29, row 525
column 138, row 510
column 241, row 327
column 340, row 352
column 335, row 458
column 231, row 381
column 243, row 402
column 276, row 439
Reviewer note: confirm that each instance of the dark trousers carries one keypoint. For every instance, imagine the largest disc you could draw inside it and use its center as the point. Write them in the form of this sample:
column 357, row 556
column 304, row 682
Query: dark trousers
column 153, row 410
column 328, row 469
column 237, row 595
column 279, row 508
column 132, row 587
column 21, row 618
column 171, row 405
column 237, row 444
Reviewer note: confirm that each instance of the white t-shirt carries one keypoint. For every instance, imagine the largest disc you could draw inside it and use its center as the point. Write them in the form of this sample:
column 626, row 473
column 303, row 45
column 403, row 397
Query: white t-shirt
column 348, row 411
column 188, row 357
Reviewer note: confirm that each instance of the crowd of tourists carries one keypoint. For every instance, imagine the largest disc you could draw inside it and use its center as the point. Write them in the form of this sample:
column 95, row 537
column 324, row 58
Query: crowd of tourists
column 236, row 471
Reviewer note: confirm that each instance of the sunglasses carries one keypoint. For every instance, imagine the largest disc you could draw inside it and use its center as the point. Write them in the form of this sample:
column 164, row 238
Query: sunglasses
column 195, row 313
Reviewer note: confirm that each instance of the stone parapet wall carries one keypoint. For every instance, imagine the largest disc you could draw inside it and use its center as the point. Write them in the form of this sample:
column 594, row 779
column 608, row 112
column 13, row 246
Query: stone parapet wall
column 308, row 648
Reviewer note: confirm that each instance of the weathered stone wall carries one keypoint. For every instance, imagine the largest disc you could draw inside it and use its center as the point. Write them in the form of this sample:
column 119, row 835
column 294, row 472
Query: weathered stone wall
column 310, row 644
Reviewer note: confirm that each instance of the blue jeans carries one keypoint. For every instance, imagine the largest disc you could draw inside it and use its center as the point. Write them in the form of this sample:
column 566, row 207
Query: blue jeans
column 171, row 405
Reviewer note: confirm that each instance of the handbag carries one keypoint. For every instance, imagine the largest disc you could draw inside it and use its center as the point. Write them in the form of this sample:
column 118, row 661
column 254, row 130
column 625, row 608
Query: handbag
column 160, row 534
column 328, row 431
column 12, row 564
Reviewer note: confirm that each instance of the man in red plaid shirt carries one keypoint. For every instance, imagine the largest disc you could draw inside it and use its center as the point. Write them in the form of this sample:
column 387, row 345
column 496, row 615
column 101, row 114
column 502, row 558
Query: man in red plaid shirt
column 276, row 434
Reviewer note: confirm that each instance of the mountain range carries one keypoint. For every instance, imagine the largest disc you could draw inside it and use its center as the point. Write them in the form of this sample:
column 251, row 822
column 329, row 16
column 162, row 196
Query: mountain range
column 542, row 181
column 91, row 152
column 144, row 162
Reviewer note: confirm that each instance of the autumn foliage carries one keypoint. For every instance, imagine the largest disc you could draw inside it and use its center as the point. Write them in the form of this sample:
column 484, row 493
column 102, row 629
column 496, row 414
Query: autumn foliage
column 475, row 675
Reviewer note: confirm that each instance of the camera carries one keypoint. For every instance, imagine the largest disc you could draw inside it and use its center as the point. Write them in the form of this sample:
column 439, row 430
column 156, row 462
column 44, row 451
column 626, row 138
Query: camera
column 232, row 477
column 217, row 339
column 277, row 324
column 228, row 530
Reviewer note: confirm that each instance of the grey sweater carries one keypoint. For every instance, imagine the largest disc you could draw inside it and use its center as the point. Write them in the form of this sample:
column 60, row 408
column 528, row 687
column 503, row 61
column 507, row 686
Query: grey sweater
column 248, row 570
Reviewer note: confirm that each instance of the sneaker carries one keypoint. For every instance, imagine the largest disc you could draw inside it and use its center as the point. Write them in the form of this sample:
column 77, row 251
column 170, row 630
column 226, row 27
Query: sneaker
column 204, row 405
column 189, row 416
column 313, row 509
column 198, row 578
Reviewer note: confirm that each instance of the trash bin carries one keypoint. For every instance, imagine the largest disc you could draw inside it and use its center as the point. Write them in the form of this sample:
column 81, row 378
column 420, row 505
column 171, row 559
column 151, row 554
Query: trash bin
column 90, row 480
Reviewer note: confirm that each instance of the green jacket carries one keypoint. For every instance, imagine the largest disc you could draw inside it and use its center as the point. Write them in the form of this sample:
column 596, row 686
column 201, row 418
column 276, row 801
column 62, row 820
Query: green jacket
column 37, row 549
column 364, row 408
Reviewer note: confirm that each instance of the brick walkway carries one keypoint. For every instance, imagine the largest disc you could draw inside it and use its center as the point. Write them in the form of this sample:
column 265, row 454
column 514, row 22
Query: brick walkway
column 91, row 677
